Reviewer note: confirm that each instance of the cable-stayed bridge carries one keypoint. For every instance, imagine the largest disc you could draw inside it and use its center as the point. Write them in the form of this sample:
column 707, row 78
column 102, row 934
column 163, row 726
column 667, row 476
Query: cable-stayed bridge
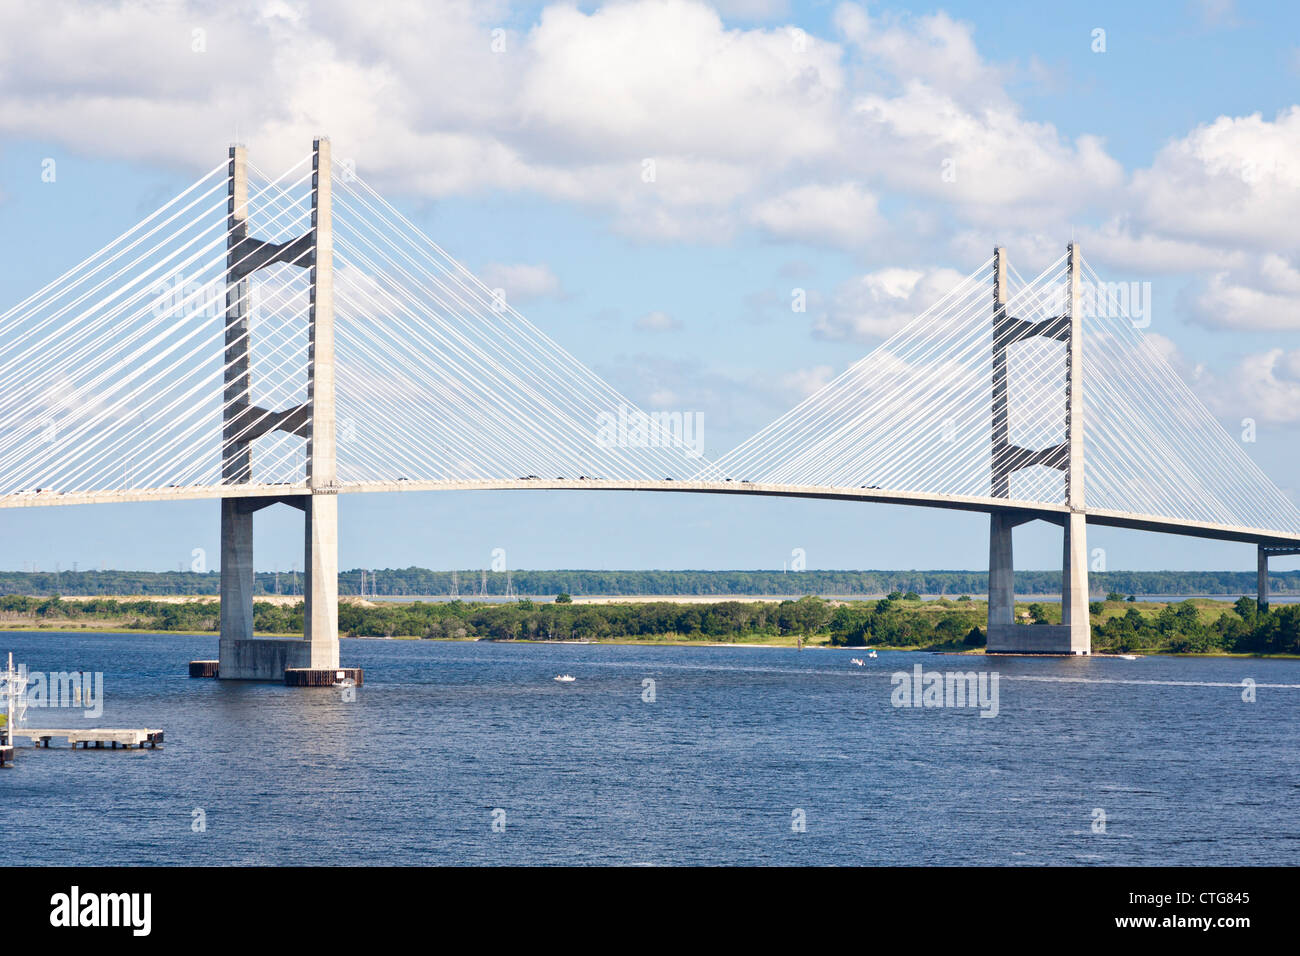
column 282, row 340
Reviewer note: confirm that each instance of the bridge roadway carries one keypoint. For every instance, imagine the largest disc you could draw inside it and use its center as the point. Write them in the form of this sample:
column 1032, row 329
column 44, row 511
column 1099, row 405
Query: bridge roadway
column 987, row 505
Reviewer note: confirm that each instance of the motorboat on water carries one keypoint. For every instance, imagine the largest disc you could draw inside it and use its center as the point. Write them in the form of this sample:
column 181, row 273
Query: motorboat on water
column 565, row 678
column 872, row 653
column 857, row 660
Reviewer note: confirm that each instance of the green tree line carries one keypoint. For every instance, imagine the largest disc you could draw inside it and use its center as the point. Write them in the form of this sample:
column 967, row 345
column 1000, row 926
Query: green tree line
column 408, row 582
column 898, row 620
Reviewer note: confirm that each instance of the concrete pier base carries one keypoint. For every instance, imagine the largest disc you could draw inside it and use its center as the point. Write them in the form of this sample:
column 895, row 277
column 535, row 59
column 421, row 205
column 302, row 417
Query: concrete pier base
column 1024, row 639
column 319, row 677
column 258, row 661
column 263, row 658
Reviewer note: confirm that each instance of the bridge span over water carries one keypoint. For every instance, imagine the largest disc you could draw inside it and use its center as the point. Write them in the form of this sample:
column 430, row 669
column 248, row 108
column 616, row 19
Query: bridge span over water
column 285, row 340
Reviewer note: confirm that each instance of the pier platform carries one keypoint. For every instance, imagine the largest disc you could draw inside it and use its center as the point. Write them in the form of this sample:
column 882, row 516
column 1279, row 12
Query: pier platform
column 99, row 736
column 321, row 677
column 293, row 676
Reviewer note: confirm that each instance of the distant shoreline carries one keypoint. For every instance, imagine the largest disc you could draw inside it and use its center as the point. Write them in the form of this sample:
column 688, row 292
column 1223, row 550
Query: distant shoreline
column 899, row 621
column 591, row 585
column 649, row 642
column 287, row 600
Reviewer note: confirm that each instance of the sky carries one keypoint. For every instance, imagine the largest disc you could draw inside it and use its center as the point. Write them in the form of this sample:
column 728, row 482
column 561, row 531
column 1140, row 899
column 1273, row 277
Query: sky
column 867, row 154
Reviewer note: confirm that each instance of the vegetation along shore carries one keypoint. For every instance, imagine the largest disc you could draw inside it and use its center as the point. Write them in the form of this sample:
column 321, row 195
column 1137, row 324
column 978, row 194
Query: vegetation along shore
column 901, row 620
column 421, row 582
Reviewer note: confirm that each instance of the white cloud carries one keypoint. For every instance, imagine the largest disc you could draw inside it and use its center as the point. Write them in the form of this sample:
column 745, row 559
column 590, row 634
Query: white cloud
column 1221, row 204
column 844, row 214
column 1234, row 182
column 925, row 141
column 1116, row 244
column 1264, row 296
column 877, row 304
column 934, row 49
column 634, row 80
column 522, row 283
column 571, row 109
column 936, row 120
column 746, row 128
column 1264, row 386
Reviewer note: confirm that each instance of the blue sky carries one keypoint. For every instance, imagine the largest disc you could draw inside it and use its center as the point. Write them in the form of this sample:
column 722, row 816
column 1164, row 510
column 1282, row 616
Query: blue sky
column 522, row 158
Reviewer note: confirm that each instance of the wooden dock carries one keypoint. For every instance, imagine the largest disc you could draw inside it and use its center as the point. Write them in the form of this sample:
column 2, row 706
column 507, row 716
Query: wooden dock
column 99, row 736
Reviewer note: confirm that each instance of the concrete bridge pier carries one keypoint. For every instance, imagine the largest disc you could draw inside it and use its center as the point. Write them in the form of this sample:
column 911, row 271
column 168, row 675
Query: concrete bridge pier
column 312, row 659
column 1005, row 636
column 1263, row 553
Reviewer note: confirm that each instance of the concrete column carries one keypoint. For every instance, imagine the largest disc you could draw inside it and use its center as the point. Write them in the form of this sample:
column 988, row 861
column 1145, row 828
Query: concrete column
column 1262, row 570
column 236, row 575
column 1002, row 575
column 1074, row 585
column 322, row 471
column 1074, row 569
column 320, row 622
column 1074, row 384
column 1001, row 487
column 236, row 455
column 321, row 587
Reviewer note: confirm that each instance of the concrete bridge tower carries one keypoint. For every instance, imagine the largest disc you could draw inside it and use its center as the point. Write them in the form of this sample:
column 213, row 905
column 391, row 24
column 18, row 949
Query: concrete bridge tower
column 1073, row 635
column 313, row 659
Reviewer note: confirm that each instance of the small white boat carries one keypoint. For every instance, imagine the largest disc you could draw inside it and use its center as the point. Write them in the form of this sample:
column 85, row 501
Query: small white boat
column 1129, row 657
column 872, row 654
column 856, row 660
column 566, row 678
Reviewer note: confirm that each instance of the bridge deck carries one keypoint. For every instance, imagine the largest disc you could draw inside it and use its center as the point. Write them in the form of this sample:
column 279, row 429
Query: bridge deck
column 1046, row 510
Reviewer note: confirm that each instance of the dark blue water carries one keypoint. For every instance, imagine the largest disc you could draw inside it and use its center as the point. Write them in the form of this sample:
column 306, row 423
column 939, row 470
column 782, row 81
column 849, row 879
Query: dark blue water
column 441, row 735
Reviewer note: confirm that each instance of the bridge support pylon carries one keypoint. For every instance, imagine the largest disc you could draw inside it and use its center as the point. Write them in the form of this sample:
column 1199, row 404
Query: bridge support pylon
column 313, row 659
column 1074, row 634
column 1263, row 553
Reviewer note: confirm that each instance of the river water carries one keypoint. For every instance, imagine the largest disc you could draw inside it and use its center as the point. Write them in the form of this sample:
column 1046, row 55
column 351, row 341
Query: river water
column 473, row 753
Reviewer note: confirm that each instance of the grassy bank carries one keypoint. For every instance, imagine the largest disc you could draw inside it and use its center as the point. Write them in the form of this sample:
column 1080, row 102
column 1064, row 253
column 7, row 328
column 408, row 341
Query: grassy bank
column 899, row 621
